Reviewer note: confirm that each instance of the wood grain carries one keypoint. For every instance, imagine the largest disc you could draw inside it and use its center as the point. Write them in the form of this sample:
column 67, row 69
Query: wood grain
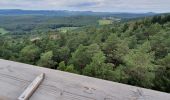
column 32, row 88
column 57, row 85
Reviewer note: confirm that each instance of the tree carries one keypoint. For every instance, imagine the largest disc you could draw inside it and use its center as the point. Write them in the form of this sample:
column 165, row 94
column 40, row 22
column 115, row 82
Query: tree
column 62, row 66
column 46, row 60
column 139, row 66
column 75, row 39
column 29, row 54
column 154, row 29
column 69, row 68
column 160, row 44
column 83, row 56
column 97, row 68
column 61, row 54
column 162, row 77
column 115, row 49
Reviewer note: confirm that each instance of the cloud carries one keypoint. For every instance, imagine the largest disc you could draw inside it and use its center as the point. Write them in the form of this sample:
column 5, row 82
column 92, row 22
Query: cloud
column 84, row 4
column 94, row 5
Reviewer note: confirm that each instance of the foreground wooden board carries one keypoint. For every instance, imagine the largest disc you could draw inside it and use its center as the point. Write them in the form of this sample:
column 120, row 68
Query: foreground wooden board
column 57, row 85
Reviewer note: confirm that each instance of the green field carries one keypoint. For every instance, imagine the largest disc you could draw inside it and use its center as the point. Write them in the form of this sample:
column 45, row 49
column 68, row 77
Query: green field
column 105, row 22
column 3, row 31
column 66, row 29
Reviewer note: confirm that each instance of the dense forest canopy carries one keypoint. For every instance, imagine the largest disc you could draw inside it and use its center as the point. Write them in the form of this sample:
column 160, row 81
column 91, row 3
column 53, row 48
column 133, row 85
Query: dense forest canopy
column 135, row 52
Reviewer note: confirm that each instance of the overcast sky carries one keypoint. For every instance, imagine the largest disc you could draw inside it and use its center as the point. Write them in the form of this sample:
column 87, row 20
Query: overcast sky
column 89, row 5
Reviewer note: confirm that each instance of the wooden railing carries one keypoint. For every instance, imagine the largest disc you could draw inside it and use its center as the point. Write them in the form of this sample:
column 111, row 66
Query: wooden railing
column 15, row 78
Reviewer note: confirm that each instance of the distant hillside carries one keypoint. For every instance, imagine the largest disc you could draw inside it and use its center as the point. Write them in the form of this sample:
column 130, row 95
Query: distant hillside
column 21, row 24
column 72, row 13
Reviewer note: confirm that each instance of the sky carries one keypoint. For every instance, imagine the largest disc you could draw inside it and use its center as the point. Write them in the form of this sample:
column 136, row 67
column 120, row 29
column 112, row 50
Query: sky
column 89, row 5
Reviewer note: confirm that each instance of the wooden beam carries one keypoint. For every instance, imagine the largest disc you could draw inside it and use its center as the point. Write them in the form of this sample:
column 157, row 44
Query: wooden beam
column 32, row 88
column 58, row 85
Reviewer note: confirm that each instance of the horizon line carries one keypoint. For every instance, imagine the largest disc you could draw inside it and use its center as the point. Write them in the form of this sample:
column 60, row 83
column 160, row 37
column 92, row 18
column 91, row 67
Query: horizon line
column 83, row 11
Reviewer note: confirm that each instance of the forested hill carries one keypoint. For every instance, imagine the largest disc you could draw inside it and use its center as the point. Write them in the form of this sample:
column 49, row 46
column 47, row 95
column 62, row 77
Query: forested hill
column 135, row 52
column 65, row 13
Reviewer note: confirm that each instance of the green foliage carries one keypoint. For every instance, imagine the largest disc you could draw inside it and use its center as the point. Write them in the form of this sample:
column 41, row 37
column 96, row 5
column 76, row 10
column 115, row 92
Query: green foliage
column 62, row 66
column 139, row 66
column 97, row 68
column 29, row 54
column 69, row 68
column 115, row 49
column 119, row 75
column 3, row 31
column 135, row 52
column 160, row 44
column 162, row 79
column 25, row 24
column 46, row 60
column 61, row 54
column 66, row 29
column 83, row 55
column 105, row 22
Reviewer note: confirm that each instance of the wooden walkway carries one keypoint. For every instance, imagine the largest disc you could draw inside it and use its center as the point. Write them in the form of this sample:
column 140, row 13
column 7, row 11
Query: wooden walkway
column 57, row 85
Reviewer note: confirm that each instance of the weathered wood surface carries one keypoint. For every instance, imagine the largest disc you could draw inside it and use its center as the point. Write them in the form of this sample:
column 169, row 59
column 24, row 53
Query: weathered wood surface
column 32, row 88
column 57, row 85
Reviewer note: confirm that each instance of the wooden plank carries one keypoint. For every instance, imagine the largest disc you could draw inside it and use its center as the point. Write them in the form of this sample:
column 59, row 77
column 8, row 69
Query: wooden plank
column 31, row 88
column 57, row 85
